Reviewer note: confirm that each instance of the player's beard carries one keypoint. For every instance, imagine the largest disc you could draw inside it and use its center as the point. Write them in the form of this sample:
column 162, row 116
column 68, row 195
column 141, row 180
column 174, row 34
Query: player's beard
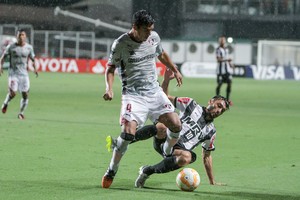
column 210, row 107
column 209, row 114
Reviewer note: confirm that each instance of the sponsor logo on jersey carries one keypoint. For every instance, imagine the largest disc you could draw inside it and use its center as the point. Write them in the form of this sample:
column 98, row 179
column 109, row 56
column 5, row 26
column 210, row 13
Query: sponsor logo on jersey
column 184, row 100
column 135, row 60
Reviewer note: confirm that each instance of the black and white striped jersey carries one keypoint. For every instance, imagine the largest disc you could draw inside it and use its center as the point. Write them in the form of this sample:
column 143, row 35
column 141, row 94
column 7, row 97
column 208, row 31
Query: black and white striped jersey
column 223, row 67
column 195, row 129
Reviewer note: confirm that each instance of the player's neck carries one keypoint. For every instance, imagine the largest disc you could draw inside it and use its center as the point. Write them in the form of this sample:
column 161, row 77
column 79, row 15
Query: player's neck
column 133, row 36
column 207, row 116
column 21, row 43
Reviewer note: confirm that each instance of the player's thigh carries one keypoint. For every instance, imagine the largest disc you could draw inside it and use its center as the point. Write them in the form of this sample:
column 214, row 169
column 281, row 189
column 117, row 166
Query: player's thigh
column 171, row 120
column 159, row 105
column 133, row 109
column 13, row 83
column 24, row 84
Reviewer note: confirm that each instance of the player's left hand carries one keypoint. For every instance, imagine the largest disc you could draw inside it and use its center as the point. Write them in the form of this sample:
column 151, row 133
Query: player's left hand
column 169, row 75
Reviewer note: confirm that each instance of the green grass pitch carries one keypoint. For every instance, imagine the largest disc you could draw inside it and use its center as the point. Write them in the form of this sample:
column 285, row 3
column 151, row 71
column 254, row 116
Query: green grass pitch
column 58, row 151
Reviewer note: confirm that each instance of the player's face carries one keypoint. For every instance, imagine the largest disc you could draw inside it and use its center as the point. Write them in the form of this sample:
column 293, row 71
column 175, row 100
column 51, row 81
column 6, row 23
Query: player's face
column 21, row 36
column 216, row 108
column 222, row 41
column 143, row 32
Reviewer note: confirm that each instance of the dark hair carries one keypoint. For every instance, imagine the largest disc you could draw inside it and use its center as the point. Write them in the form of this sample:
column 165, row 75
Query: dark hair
column 227, row 102
column 141, row 18
column 21, row 30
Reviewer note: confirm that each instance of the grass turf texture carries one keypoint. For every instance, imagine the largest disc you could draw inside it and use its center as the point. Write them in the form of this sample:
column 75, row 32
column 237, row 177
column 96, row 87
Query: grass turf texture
column 58, row 151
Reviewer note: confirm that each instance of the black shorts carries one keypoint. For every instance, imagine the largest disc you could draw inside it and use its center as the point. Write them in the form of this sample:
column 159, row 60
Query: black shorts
column 181, row 147
column 224, row 78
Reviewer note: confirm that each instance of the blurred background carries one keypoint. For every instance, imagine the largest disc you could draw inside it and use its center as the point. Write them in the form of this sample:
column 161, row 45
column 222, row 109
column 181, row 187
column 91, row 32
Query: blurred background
column 263, row 35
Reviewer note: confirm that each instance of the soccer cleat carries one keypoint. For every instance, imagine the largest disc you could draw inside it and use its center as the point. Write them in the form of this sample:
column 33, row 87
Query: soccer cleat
column 4, row 108
column 110, row 143
column 21, row 116
column 141, row 179
column 108, row 178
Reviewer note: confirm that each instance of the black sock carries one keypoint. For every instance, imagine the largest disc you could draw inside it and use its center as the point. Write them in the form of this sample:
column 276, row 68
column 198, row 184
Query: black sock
column 157, row 144
column 166, row 165
column 145, row 133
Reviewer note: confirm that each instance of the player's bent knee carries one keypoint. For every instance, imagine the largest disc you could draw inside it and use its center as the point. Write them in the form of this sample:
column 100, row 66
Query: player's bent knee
column 12, row 94
column 193, row 157
column 183, row 161
column 25, row 95
column 186, row 157
column 175, row 126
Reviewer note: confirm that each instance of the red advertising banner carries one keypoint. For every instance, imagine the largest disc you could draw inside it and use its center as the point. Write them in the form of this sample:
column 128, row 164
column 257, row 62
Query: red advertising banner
column 69, row 65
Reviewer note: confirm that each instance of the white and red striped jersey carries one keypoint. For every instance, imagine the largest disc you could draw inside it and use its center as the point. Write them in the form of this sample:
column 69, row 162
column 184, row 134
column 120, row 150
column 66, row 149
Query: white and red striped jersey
column 19, row 58
column 136, row 63
column 195, row 129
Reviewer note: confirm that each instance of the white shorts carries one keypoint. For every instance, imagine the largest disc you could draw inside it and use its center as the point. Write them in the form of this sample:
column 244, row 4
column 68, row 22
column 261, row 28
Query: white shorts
column 140, row 108
column 19, row 83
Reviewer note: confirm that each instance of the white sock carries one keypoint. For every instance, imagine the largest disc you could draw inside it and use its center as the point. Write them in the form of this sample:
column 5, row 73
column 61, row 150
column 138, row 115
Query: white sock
column 170, row 142
column 7, row 99
column 118, row 152
column 23, row 105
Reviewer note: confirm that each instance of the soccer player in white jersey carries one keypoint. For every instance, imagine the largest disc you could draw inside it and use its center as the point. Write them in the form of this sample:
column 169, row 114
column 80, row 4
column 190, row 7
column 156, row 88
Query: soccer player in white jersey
column 18, row 79
column 134, row 55
column 224, row 67
column 197, row 128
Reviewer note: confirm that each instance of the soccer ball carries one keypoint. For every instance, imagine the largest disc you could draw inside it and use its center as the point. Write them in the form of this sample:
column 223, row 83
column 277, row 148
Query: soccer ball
column 188, row 179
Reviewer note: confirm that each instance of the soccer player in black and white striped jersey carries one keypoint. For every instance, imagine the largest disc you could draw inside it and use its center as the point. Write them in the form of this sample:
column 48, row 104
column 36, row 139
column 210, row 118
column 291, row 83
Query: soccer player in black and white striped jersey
column 224, row 67
column 197, row 129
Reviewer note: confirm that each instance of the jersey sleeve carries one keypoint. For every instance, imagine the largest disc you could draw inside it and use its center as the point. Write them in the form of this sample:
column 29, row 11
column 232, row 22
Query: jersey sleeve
column 209, row 145
column 157, row 39
column 159, row 48
column 181, row 103
column 115, row 54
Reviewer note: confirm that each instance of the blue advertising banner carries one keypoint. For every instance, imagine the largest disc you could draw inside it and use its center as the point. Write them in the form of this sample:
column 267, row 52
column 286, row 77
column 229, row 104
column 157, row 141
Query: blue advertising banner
column 273, row 72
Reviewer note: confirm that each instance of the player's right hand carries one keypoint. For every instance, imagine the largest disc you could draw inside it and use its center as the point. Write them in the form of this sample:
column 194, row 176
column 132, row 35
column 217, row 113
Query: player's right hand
column 108, row 96
column 220, row 184
column 178, row 77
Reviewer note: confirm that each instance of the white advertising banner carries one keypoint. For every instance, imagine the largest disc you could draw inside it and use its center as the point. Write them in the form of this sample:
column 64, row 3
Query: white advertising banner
column 199, row 69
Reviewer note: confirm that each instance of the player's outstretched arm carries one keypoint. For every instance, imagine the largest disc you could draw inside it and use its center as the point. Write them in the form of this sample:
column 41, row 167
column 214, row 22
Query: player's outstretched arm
column 208, row 164
column 207, row 161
